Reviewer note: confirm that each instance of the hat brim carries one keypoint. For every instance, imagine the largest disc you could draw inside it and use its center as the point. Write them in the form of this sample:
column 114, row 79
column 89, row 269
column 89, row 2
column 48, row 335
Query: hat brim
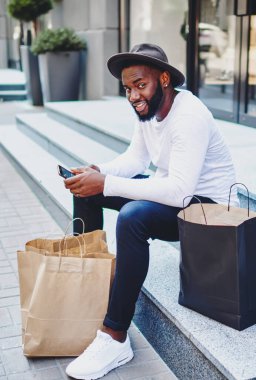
column 117, row 62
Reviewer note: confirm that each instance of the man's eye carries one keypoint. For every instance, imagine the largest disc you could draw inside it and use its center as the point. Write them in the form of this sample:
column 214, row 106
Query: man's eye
column 141, row 85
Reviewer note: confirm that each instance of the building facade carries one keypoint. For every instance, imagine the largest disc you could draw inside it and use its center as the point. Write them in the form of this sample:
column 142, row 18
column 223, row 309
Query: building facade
column 213, row 42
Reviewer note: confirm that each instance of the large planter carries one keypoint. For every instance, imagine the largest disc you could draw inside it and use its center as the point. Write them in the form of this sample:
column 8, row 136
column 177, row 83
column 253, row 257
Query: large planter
column 60, row 75
column 30, row 67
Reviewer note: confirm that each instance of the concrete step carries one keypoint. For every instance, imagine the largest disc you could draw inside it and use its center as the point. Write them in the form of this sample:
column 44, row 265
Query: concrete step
column 193, row 346
column 12, row 85
column 95, row 120
column 39, row 168
column 8, row 95
column 67, row 145
column 111, row 123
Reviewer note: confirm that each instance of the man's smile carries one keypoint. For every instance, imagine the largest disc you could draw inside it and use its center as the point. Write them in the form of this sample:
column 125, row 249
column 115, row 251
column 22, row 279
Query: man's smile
column 140, row 106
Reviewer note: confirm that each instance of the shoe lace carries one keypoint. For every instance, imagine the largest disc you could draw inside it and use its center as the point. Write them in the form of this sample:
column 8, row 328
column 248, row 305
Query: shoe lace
column 99, row 343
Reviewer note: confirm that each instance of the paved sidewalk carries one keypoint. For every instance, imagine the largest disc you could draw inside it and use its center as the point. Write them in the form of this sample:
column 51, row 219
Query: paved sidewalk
column 22, row 217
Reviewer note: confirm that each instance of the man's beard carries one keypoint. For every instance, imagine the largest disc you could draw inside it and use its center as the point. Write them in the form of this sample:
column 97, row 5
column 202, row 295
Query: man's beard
column 153, row 104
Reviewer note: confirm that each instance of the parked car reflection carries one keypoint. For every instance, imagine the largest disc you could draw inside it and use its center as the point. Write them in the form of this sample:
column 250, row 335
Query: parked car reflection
column 212, row 39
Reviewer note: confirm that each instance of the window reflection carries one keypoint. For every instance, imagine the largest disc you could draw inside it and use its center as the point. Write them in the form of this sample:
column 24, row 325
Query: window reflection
column 252, row 69
column 217, row 54
column 159, row 22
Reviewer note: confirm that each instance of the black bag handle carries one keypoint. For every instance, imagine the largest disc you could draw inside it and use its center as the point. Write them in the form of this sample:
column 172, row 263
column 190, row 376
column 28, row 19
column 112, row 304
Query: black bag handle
column 193, row 196
column 239, row 183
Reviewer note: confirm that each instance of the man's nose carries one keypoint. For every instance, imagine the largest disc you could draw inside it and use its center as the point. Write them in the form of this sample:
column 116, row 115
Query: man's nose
column 134, row 95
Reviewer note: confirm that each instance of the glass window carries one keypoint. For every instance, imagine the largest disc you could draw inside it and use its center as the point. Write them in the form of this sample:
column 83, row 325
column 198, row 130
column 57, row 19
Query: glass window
column 217, row 53
column 160, row 22
column 252, row 69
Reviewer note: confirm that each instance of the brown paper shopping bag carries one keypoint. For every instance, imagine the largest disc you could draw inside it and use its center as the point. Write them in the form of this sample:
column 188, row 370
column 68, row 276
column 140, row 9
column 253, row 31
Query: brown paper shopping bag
column 63, row 298
column 89, row 242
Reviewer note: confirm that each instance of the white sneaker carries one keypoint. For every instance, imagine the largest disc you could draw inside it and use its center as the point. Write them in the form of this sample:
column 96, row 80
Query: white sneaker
column 100, row 357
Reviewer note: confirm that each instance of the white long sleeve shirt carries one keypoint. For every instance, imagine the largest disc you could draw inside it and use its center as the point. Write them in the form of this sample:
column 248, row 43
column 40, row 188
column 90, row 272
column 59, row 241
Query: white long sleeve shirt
column 188, row 151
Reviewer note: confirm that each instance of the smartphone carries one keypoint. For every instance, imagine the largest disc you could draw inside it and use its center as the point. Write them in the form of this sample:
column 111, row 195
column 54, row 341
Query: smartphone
column 65, row 173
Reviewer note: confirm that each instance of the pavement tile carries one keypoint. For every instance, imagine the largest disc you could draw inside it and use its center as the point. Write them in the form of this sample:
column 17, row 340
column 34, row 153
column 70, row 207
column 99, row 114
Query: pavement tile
column 15, row 314
column 22, row 376
column 5, row 269
column 7, row 212
column 112, row 375
column 3, row 222
column 4, row 263
column 43, row 363
column 8, row 242
column 2, row 371
column 14, row 221
column 9, row 331
column 49, row 374
column 159, row 376
column 12, row 256
column 144, row 354
column 14, row 361
column 8, row 280
column 128, row 372
column 2, row 253
column 9, row 292
column 5, row 318
column 14, row 264
column 19, row 230
column 10, row 342
column 137, row 339
column 9, row 301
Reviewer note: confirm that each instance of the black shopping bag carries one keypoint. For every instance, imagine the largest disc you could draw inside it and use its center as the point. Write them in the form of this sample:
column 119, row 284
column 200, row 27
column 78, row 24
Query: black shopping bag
column 218, row 263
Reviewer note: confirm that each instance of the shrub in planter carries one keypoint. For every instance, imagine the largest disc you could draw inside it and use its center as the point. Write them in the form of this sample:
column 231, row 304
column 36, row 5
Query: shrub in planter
column 29, row 11
column 59, row 53
column 62, row 39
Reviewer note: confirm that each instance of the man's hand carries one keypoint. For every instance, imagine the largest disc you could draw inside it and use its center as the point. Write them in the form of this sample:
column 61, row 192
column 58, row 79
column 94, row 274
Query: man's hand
column 83, row 169
column 87, row 181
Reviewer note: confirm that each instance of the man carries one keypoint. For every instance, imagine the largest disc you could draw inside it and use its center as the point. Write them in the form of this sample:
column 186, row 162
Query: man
column 178, row 134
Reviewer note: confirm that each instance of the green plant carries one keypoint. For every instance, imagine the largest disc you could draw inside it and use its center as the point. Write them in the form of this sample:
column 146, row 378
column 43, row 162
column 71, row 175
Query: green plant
column 62, row 39
column 29, row 10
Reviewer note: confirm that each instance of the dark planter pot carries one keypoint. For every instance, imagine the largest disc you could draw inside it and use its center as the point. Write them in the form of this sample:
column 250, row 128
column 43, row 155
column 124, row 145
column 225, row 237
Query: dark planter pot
column 31, row 70
column 60, row 75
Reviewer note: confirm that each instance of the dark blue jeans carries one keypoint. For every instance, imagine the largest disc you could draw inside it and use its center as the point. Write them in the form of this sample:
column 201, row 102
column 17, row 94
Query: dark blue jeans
column 137, row 222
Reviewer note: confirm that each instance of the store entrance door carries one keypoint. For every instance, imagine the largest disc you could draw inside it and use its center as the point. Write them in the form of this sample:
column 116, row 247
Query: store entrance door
column 227, row 67
column 247, row 104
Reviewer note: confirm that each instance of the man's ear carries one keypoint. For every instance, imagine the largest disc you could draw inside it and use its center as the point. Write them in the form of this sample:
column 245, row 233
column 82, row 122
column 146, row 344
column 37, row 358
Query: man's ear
column 165, row 79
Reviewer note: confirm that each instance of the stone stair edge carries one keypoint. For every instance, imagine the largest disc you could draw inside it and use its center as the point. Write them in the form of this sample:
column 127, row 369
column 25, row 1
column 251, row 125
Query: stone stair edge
column 85, row 146
column 66, row 116
column 55, row 108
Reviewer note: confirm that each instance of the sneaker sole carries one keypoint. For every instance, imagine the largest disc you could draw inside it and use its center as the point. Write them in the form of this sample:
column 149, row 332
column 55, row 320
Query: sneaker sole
column 117, row 363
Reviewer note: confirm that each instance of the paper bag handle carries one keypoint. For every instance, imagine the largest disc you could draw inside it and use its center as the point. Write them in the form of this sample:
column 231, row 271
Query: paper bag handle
column 64, row 241
column 239, row 183
column 193, row 196
column 67, row 228
column 75, row 234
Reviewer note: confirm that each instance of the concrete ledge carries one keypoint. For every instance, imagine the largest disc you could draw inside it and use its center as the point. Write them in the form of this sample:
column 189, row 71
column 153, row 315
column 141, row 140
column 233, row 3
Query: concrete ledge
column 231, row 352
column 115, row 118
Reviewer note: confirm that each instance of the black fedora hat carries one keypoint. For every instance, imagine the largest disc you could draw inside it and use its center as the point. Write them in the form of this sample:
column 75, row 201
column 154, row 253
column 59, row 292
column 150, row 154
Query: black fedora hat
column 147, row 54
